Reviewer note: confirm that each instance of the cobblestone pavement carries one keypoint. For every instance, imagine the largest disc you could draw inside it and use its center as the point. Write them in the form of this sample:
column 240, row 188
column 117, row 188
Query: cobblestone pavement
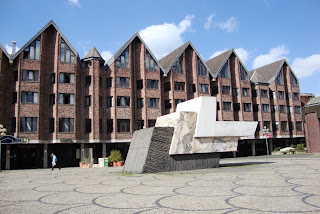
column 275, row 184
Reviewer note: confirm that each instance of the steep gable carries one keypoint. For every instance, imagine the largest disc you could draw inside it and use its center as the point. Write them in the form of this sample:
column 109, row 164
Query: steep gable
column 93, row 54
column 5, row 51
column 267, row 73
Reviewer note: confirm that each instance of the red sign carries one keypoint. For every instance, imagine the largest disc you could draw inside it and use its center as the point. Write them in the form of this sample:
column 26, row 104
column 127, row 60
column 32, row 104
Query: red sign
column 269, row 135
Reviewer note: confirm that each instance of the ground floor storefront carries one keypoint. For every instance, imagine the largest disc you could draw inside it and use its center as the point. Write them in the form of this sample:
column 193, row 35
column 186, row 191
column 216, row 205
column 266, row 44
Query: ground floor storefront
column 31, row 156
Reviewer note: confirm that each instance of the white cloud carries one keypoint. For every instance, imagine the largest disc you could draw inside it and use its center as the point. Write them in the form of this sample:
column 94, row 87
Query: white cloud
column 208, row 23
column 9, row 49
column 304, row 67
column 230, row 25
column 106, row 55
column 217, row 53
column 162, row 39
column 243, row 54
column 274, row 54
column 75, row 3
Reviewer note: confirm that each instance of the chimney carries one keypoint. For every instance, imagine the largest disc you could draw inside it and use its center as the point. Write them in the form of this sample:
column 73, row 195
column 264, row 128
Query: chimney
column 14, row 45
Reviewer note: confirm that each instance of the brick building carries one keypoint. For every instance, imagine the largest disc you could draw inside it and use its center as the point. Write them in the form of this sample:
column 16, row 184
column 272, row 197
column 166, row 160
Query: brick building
column 56, row 102
column 311, row 113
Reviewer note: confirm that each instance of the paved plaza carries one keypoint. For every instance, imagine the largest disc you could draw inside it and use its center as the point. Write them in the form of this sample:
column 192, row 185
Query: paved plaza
column 274, row 184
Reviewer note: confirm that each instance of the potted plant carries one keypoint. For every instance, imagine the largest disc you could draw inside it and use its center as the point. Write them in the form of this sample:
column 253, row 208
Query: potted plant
column 83, row 163
column 115, row 158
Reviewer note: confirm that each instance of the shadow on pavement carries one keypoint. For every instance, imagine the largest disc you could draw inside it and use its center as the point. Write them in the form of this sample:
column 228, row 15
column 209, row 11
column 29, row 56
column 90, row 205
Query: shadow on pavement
column 242, row 164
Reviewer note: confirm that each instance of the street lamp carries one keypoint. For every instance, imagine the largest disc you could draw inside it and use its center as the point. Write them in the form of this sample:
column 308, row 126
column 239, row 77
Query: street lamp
column 265, row 132
column 2, row 133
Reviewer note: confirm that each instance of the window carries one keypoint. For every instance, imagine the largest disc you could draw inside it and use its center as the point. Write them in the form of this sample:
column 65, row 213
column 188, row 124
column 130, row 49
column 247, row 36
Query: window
column 291, row 126
column 123, row 101
column 13, row 125
column 167, row 104
column 179, row 86
column 66, row 125
column 226, row 106
column 280, row 94
column 265, row 107
column 177, row 101
column 289, row 109
column 296, row 96
column 15, row 76
column 273, row 95
column 100, row 126
column 139, row 84
column 100, row 82
column 66, row 55
column 258, row 127
column 202, row 70
column 151, row 64
column 235, row 92
column 218, row 106
column 33, row 50
column 282, row 108
column 141, row 124
column 245, row 92
column 51, row 125
column 236, row 107
column 52, row 99
column 66, row 78
column 297, row 110
column 294, row 80
column 275, row 126
column 284, row 126
column 224, row 71
column 273, row 108
column 255, row 93
column 88, row 125
column 256, row 108
column 66, row 99
column 264, row 93
column 123, row 125
column 109, row 125
column 214, row 90
column 288, row 96
column 53, row 78
column 243, row 73
column 178, row 66
column 88, row 101
column 14, row 97
column 167, row 86
column 192, row 88
column 123, row 82
column 247, row 107
column 299, row 126
column 203, row 88
column 109, row 82
column 31, row 76
column 88, row 81
column 153, row 102
column 28, row 124
column 153, row 84
column 123, row 59
column 279, row 79
column 266, row 124
column 151, row 123
column 29, row 97
column 109, row 101
column 225, row 89
column 139, row 103
column 100, row 101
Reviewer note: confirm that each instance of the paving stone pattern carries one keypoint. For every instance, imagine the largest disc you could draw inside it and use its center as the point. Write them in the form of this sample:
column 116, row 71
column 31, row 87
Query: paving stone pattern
column 275, row 184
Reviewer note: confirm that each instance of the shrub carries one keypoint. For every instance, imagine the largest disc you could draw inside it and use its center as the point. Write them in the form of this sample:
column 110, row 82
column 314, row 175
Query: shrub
column 277, row 149
column 300, row 147
column 115, row 155
column 293, row 146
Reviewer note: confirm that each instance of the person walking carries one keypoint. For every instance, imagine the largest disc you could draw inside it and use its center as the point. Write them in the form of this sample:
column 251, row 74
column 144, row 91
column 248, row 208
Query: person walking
column 54, row 161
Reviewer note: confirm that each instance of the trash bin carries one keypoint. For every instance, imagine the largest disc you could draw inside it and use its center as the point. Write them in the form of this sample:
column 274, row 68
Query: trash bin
column 106, row 162
column 101, row 162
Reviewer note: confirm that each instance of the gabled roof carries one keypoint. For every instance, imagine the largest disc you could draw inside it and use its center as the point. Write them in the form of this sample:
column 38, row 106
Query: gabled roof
column 93, row 54
column 119, row 52
column 216, row 63
column 51, row 23
column 315, row 101
column 268, row 73
column 5, row 51
column 168, row 61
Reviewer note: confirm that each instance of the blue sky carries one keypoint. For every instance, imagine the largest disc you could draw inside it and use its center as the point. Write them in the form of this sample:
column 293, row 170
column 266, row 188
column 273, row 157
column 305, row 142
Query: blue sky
column 261, row 31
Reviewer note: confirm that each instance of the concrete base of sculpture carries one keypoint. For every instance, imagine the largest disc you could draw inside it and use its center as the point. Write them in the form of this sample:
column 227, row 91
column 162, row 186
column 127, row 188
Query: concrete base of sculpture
column 149, row 152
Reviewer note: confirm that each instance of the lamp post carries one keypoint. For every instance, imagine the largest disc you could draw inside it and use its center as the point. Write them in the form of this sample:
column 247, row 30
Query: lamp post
column 2, row 133
column 265, row 132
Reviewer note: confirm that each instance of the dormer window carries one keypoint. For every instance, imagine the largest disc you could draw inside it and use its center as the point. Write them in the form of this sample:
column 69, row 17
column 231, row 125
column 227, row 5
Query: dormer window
column 33, row 50
column 66, row 55
column 123, row 59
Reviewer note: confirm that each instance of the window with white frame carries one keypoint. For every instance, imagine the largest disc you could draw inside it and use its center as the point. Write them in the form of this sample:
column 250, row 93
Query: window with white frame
column 66, row 124
column 33, row 50
column 28, row 124
column 66, row 78
column 123, row 60
column 29, row 97
column 66, row 54
column 66, row 99
column 30, row 75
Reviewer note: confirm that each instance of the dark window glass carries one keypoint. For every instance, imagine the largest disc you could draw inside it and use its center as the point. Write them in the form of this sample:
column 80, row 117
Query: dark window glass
column 297, row 110
column 123, row 59
column 178, row 66
column 284, row 126
column 14, row 97
column 66, row 125
column 66, row 99
column 264, row 93
column 245, row 92
column 177, row 101
column 109, row 101
column 151, row 64
column 139, row 103
column 28, row 124
column 243, row 73
column 299, row 126
column 152, row 84
column 247, row 107
column 265, row 107
column 88, row 81
column 192, row 88
column 66, row 54
column 279, row 79
column 224, row 71
column 15, row 76
column 123, row 82
column 153, row 102
column 226, row 106
column 13, row 125
column 123, row 101
column 225, row 89
column 167, row 104
column 202, row 70
column 88, row 101
column 66, row 78
column 109, row 125
column 123, row 125
column 51, row 125
column 236, row 107
column 29, row 75
column 167, row 86
column 52, row 99
column 203, row 88
column 53, row 78
column 33, row 50
column 151, row 123
column 109, row 82
column 139, row 84
column 214, row 90
column 88, row 125
column 29, row 97
column 294, row 80
column 179, row 86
